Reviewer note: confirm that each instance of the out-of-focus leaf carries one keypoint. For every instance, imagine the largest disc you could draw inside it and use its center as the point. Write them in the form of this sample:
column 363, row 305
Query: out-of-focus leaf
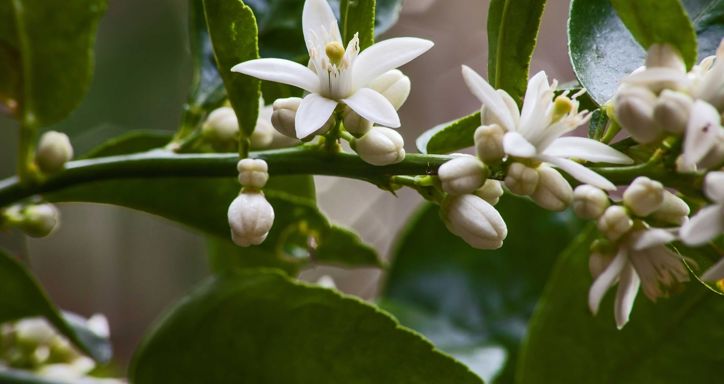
column 358, row 16
column 131, row 142
column 206, row 85
column 475, row 300
column 450, row 136
column 46, row 56
column 261, row 327
column 23, row 297
column 597, row 125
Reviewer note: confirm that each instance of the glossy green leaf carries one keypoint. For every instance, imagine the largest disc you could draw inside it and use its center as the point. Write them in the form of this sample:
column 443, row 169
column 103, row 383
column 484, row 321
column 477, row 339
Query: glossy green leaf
column 659, row 21
column 512, row 33
column 450, row 136
column 261, row 327
column 233, row 32
column 674, row 340
column 46, row 56
column 131, row 142
column 470, row 301
column 23, row 297
column 358, row 16
column 206, row 86
column 603, row 51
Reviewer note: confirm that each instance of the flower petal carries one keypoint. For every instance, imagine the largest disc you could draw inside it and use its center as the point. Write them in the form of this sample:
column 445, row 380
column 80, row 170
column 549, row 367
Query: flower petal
column 704, row 226
column 586, row 149
column 538, row 98
column 652, row 237
column 280, row 71
column 490, row 98
column 318, row 22
column 701, row 131
column 715, row 273
column 515, row 144
column 714, row 186
column 628, row 287
column 656, row 75
column 579, row 172
column 313, row 113
column 385, row 55
column 374, row 107
column 605, row 280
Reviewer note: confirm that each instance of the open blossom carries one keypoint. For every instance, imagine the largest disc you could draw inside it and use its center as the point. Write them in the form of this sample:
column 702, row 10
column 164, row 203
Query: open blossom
column 335, row 74
column 535, row 131
column 708, row 223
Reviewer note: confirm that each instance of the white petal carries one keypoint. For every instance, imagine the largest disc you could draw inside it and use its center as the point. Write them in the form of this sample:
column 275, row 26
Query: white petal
column 586, row 149
column 605, row 280
column 653, row 237
column 280, row 71
column 579, row 172
column 516, row 145
column 386, row 55
column 313, row 113
column 489, row 97
column 657, row 75
column 704, row 226
column 318, row 22
column 374, row 107
column 714, row 186
column 535, row 103
column 715, row 273
column 628, row 287
column 701, row 131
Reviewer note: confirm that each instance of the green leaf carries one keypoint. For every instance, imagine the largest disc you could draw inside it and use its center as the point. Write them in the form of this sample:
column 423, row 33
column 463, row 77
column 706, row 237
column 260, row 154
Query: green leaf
column 659, row 21
column 131, row 142
column 603, row 51
column 358, row 16
column 206, row 86
column 261, row 327
column 473, row 300
column 46, row 55
column 233, row 32
column 23, row 297
column 342, row 246
column 512, row 33
column 674, row 340
column 450, row 136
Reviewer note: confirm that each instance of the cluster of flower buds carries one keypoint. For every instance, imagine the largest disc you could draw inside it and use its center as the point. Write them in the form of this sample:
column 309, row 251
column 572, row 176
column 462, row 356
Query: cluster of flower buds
column 35, row 220
column 250, row 214
column 54, row 150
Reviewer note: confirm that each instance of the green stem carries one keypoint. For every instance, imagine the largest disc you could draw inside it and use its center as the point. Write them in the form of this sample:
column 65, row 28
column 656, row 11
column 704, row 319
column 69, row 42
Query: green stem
column 27, row 170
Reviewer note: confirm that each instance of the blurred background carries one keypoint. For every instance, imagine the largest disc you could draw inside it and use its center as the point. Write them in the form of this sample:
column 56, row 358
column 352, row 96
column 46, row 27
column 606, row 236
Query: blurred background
column 130, row 265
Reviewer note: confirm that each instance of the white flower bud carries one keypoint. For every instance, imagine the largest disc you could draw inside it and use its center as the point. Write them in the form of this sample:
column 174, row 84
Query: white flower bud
column 673, row 210
column 380, row 146
column 250, row 218
column 284, row 114
column 521, row 179
column 683, row 166
column 634, row 109
column 489, row 142
column 39, row 220
column 462, row 175
column 326, row 281
column 643, row 196
column 263, row 134
column 589, row 202
column 614, row 222
column 54, row 150
column 715, row 156
column 474, row 220
column 672, row 111
column 253, row 173
column 221, row 127
column 34, row 331
column 664, row 55
column 553, row 191
column 354, row 123
column 393, row 85
column 491, row 191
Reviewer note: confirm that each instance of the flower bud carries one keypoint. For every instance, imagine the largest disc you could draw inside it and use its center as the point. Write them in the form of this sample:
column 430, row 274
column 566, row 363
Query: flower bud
column 614, row 222
column 284, row 114
column 380, row 146
column 354, row 123
column 221, row 128
column 39, row 220
column 263, row 134
column 643, row 196
column 673, row 210
column 253, row 173
column 672, row 111
column 35, row 331
column 715, row 156
column 462, row 175
column 489, row 142
column 589, row 202
column 393, row 85
column 250, row 218
column 634, row 109
column 664, row 55
column 521, row 179
column 491, row 191
column 474, row 220
column 54, row 150
column 553, row 191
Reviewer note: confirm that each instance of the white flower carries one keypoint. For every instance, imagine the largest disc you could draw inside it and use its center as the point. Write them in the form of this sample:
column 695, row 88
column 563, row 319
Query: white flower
column 474, row 220
column 553, row 191
column 703, row 132
column 672, row 111
column 709, row 79
column 614, row 222
column 673, row 210
column 642, row 259
column 221, row 126
column 462, row 175
column 589, row 202
column 664, row 69
column 491, row 191
column 535, row 131
column 54, row 150
column 336, row 75
column 380, row 146
column 644, row 196
column 708, row 223
column 253, row 173
column 250, row 218
column 634, row 109
column 521, row 179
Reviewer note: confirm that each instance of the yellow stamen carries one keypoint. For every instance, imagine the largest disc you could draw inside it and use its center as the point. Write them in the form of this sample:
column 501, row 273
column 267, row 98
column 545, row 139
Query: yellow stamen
column 561, row 107
column 334, row 51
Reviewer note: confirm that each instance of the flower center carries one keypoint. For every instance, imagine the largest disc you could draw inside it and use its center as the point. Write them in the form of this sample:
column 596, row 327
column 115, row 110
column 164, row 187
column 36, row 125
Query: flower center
column 562, row 106
column 335, row 52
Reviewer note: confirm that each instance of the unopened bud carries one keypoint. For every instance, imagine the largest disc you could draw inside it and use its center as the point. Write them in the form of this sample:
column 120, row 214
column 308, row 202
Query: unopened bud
column 284, row 114
column 380, row 146
column 715, row 157
column 462, row 175
column 614, row 222
column 263, row 134
column 354, row 123
column 474, row 220
column 634, row 109
column 643, row 196
column 250, row 218
column 589, row 202
column 673, row 210
column 714, row 186
column 221, row 128
column 553, row 191
column 489, row 142
column 393, row 85
column 664, row 55
column 672, row 111
column 521, row 179
column 54, row 150
column 39, row 220
column 253, row 173
column 34, row 331
column 491, row 191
